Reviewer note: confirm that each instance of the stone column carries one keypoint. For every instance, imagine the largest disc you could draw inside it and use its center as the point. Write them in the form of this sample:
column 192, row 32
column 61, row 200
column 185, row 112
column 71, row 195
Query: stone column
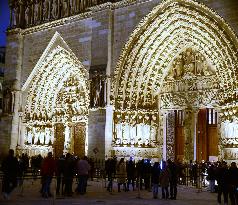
column 195, row 115
column 164, row 123
column 109, row 130
column 15, row 79
column 189, row 134
column 221, row 146
column 109, row 108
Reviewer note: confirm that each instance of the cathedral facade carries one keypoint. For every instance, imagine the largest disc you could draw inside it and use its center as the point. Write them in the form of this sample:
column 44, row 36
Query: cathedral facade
column 133, row 78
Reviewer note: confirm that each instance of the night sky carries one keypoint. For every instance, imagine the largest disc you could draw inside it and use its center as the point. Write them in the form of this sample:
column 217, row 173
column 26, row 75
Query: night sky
column 4, row 21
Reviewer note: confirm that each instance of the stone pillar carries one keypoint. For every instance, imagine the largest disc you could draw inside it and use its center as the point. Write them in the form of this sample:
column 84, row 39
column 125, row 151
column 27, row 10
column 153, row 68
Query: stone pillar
column 109, row 108
column 109, row 130
column 164, row 124
column 195, row 114
column 190, row 132
column 220, row 120
column 170, row 135
column 14, row 78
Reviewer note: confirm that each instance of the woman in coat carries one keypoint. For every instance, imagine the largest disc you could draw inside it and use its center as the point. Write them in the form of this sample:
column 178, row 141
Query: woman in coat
column 121, row 173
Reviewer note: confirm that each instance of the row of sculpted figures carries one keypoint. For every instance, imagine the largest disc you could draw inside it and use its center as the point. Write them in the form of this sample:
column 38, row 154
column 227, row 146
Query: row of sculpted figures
column 26, row 13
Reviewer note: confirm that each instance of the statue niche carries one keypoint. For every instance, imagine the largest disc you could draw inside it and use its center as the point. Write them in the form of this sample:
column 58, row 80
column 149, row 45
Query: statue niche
column 7, row 101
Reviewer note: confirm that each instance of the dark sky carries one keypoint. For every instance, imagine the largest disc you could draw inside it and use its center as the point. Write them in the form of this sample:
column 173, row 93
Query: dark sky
column 4, row 21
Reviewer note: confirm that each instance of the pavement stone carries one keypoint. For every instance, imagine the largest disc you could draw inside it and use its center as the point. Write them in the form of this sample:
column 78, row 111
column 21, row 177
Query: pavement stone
column 97, row 195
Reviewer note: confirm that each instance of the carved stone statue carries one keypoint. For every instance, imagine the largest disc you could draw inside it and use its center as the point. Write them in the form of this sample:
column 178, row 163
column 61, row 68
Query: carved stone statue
column 28, row 14
column 72, row 6
column 21, row 13
column 189, row 61
column 7, row 101
column 36, row 12
column 55, row 9
column 46, row 10
column 64, row 8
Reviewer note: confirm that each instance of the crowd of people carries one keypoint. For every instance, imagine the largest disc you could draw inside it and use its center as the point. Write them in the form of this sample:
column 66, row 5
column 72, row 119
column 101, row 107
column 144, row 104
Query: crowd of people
column 129, row 175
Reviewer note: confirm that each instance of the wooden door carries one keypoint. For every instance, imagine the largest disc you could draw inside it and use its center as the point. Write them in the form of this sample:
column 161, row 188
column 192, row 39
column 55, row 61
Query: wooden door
column 59, row 140
column 212, row 134
column 201, row 138
column 79, row 135
column 207, row 137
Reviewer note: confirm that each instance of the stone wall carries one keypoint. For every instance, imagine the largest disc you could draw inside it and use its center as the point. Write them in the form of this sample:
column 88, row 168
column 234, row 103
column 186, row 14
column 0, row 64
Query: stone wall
column 96, row 133
column 5, row 133
column 90, row 40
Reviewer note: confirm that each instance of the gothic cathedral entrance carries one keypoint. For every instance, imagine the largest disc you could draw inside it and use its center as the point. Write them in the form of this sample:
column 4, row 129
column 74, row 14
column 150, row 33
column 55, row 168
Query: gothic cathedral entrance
column 56, row 110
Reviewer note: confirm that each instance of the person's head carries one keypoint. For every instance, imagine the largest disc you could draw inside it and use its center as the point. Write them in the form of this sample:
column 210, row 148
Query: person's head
column 11, row 152
column 50, row 154
column 68, row 155
column 85, row 158
column 156, row 164
column 233, row 165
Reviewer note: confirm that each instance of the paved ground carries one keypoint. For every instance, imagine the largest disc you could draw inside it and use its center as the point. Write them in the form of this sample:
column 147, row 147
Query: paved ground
column 97, row 195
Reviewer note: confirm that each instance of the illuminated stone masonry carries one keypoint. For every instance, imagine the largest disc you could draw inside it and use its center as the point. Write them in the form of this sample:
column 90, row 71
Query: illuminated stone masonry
column 81, row 95
column 178, row 57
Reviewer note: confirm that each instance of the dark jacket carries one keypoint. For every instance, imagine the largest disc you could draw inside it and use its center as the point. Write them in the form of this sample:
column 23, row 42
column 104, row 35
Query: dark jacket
column 155, row 173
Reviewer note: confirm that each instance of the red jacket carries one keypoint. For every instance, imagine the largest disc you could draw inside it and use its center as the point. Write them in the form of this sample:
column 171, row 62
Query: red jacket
column 48, row 167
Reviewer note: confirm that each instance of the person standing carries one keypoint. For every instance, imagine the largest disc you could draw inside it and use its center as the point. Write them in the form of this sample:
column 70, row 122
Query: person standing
column 211, row 176
column 47, row 172
column 173, row 179
column 59, row 175
column 68, row 173
column 155, row 174
column 10, row 168
column 83, row 169
column 121, row 172
column 233, row 183
column 222, row 177
column 110, row 168
column 130, row 168
column 164, row 181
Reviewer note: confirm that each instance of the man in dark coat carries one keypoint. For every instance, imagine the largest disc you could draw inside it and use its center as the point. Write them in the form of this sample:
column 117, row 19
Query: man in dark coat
column 222, row 177
column 173, row 179
column 110, row 168
column 233, row 183
column 155, row 173
column 130, row 169
column 10, row 168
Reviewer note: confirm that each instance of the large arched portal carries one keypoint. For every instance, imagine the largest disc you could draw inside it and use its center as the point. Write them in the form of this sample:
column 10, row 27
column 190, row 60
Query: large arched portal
column 56, row 111
column 176, row 72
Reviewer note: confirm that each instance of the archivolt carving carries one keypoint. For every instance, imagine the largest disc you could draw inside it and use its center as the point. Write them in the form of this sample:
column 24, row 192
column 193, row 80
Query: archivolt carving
column 57, row 94
column 60, row 73
column 169, row 29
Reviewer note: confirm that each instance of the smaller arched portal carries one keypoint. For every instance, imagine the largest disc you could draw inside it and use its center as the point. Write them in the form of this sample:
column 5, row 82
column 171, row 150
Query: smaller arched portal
column 56, row 111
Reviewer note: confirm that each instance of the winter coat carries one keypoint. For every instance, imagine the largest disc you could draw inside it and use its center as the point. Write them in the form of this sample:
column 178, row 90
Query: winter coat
column 164, row 178
column 48, row 167
column 155, row 174
column 121, row 172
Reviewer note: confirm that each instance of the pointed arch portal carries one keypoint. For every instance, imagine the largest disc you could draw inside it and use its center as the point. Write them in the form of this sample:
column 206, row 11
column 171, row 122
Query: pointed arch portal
column 181, row 59
column 56, row 109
